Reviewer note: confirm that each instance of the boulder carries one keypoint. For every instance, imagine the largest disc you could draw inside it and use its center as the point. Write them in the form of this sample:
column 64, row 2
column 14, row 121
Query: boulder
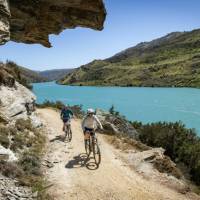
column 33, row 21
column 118, row 125
column 7, row 155
column 35, row 120
column 153, row 164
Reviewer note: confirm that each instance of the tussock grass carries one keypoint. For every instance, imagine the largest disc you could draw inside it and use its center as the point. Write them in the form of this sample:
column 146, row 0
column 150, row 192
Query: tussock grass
column 29, row 144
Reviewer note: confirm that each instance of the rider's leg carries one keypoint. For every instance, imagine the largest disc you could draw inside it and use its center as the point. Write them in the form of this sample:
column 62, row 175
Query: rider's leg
column 64, row 125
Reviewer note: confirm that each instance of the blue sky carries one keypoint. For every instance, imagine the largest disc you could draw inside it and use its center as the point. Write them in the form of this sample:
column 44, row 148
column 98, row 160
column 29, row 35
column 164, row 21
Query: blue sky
column 128, row 23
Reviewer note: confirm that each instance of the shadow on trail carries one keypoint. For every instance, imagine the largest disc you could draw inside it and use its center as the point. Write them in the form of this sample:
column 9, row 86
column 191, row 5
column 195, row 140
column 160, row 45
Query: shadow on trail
column 61, row 138
column 82, row 160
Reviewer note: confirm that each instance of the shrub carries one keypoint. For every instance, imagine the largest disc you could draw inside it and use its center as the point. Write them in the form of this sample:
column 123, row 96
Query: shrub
column 112, row 111
column 11, row 170
column 21, row 137
column 22, row 125
column 30, row 163
column 181, row 144
column 165, row 165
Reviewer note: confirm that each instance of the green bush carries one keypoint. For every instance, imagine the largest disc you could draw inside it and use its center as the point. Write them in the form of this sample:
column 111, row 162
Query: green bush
column 30, row 163
column 22, row 125
column 181, row 144
column 112, row 111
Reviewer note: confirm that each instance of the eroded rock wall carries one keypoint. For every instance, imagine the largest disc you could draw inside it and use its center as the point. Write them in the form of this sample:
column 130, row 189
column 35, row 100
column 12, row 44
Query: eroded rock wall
column 15, row 101
column 4, row 22
column 32, row 21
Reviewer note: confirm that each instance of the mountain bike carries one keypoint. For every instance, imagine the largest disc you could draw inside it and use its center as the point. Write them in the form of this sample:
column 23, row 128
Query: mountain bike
column 92, row 146
column 68, row 131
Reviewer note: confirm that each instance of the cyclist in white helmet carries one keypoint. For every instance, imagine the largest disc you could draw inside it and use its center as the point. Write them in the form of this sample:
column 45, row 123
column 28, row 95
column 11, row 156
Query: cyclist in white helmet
column 90, row 121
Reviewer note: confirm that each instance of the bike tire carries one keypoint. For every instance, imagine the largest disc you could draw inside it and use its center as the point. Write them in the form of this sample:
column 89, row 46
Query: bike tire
column 69, row 134
column 96, row 151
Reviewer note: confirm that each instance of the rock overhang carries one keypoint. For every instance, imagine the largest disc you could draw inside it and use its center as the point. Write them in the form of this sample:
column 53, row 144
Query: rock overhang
column 32, row 21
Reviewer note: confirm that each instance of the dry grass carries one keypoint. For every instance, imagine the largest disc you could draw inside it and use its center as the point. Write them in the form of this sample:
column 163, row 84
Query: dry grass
column 165, row 165
column 4, row 136
column 125, row 144
column 11, row 170
column 29, row 144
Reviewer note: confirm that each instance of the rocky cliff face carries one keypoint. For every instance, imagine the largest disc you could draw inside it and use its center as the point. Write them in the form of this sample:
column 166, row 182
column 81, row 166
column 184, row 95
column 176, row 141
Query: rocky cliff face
column 4, row 22
column 34, row 20
column 19, row 133
column 16, row 102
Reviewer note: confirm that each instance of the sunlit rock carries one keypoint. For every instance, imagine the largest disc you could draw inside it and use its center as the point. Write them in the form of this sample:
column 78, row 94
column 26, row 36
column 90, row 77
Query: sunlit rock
column 33, row 21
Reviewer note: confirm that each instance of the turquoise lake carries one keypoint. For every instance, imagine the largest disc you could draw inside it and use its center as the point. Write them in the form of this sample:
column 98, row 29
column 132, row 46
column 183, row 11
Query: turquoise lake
column 141, row 104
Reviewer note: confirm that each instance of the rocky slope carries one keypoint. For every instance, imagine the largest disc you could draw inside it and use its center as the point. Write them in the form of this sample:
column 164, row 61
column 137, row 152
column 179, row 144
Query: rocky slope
column 21, row 141
column 10, row 71
column 173, row 60
column 33, row 21
column 31, row 76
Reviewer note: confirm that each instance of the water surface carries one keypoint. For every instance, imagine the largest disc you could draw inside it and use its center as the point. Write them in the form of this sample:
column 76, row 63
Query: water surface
column 141, row 104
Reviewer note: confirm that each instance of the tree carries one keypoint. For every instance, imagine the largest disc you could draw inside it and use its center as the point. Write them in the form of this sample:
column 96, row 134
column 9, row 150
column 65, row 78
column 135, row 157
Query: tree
column 112, row 110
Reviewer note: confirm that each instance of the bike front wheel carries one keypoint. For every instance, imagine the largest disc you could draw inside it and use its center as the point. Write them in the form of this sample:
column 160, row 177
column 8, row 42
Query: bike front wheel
column 96, row 151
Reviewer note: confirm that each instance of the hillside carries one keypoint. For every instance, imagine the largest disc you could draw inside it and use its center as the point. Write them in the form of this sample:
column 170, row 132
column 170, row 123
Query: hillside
column 55, row 74
column 22, row 74
column 173, row 60
column 32, row 76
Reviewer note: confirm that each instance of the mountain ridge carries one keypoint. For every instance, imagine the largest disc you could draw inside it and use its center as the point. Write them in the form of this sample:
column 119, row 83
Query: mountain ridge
column 169, row 61
column 55, row 74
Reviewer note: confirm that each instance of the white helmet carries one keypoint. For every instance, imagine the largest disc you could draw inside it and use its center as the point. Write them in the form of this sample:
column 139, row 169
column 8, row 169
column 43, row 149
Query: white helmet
column 90, row 111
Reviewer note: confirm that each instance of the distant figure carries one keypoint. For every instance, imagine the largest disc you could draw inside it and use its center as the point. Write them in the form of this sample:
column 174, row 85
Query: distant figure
column 28, row 110
column 33, row 105
column 66, row 115
column 90, row 122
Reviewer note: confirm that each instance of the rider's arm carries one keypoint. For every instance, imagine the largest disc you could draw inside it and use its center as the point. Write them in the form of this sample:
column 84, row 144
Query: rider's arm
column 71, row 113
column 98, row 121
column 83, row 123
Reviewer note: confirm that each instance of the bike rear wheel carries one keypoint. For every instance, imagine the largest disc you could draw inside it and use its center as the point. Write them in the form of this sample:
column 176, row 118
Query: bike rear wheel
column 69, row 134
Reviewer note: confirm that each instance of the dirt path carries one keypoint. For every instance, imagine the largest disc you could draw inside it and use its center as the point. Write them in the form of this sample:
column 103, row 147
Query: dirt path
column 113, row 180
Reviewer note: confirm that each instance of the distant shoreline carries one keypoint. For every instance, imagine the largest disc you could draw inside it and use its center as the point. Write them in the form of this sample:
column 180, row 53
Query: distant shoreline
column 121, row 86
